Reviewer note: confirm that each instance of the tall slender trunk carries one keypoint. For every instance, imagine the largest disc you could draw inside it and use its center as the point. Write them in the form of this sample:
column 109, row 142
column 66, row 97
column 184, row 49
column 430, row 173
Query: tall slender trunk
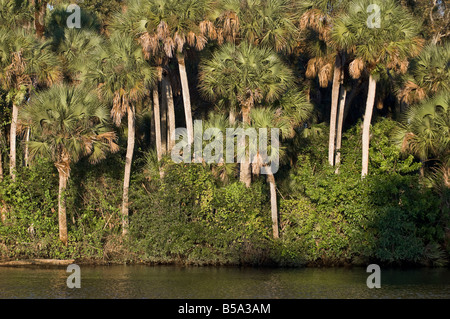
column 157, row 118
column 62, row 217
column 170, row 112
column 1, row 157
column 27, row 140
column 40, row 9
column 337, row 77
column 245, row 175
column 273, row 205
column 366, row 125
column 152, row 127
column 129, row 159
column 343, row 98
column 186, row 97
column 164, row 127
column 232, row 117
column 12, row 141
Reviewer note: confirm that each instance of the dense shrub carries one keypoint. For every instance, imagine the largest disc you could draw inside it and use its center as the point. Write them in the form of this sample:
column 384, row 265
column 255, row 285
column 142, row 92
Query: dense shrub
column 388, row 217
column 190, row 218
column 31, row 212
column 31, row 204
column 188, row 215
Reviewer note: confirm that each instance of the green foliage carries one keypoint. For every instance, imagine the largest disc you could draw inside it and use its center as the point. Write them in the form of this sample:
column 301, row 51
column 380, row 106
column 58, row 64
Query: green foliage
column 31, row 224
column 385, row 156
column 15, row 12
column 102, row 8
column 56, row 22
column 198, row 213
column 189, row 218
column 388, row 216
column 31, row 204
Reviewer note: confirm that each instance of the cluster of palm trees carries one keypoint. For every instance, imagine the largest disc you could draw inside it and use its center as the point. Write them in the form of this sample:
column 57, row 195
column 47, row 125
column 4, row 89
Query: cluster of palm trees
column 62, row 83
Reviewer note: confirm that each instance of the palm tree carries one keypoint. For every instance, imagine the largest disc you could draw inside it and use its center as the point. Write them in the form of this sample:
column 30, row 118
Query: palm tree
column 288, row 113
column 40, row 11
column 56, row 23
column 15, row 13
column 268, row 118
column 262, row 23
column 77, row 50
column 269, row 24
column 68, row 123
column 24, row 63
column 425, row 133
column 428, row 74
column 123, row 76
column 377, row 49
column 248, row 75
column 168, row 94
column 215, row 126
column 168, row 27
column 316, row 20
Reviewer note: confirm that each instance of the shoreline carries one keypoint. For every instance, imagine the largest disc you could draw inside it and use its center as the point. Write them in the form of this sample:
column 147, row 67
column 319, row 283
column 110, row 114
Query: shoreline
column 57, row 263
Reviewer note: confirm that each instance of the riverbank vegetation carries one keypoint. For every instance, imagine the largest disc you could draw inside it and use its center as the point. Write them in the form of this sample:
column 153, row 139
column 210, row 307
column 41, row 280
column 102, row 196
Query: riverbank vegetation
column 91, row 96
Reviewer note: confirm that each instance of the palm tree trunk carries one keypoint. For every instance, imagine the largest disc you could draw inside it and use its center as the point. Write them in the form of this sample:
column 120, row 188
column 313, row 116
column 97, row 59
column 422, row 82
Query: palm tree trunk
column 129, row 159
column 62, row 217
column 27, row 140
column 337, row 77
column 157, row 118
column 186, row 97
column 164, row 127
column 40, row 9
column 366, row 125
column 232, row 116
column 245, row 175
column 1, row 157
column 1, row 166
column 152, row 127
column 12, row 141
column 170, row 112
column 342, row 102
column 273, row 205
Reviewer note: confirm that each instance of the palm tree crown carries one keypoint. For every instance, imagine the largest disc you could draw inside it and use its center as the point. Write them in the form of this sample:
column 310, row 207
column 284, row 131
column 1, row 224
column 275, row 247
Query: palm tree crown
column 69, row 123
column 266, row 23
column 244, row 74
column 121, row 74
column 382, row 48
column 390, row 45
column 428, row 74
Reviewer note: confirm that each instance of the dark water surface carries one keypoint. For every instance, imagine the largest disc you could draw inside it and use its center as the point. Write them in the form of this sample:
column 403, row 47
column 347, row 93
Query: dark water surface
column 222, row 283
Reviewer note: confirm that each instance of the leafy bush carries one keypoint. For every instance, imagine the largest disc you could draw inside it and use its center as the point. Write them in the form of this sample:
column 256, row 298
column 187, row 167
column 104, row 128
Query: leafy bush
column 191, row 216
column 388, row 217
column 31, row 202
column 31, row 211
column 202, row 223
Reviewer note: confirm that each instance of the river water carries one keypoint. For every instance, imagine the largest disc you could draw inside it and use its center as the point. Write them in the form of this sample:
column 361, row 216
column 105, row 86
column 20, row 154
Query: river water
column 171, row 282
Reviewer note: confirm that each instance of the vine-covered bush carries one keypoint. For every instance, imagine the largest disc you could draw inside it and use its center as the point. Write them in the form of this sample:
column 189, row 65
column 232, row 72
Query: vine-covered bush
column 388, row 217
column 188, row 215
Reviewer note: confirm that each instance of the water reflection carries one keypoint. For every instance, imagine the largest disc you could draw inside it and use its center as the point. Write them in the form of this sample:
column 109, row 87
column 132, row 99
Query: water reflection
column 222, row 282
